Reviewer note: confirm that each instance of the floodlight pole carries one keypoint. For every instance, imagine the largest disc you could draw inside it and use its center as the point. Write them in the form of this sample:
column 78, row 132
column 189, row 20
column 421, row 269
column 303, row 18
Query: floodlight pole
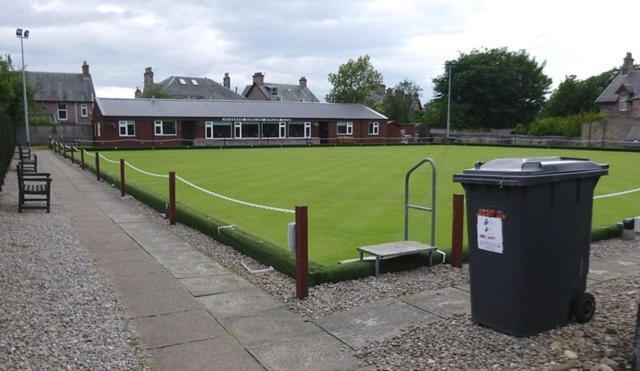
column 22, row 34
column 449, row 64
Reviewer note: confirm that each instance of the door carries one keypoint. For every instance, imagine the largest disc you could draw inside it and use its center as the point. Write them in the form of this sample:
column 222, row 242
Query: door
column 323, row 132
column 188, row 132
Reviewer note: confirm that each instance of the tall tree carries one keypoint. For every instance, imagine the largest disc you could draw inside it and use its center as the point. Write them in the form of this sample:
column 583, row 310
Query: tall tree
column 398, row 105
column 11, row 100
column 573, row 96
column 354, row 81
column 492, row 88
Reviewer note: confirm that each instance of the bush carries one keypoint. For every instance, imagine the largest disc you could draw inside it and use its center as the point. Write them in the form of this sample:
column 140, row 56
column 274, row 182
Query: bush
column 41, row 121
column 568, row 126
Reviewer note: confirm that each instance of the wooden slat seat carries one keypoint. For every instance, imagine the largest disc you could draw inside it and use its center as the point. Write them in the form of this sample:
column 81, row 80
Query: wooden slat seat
column 34, row 188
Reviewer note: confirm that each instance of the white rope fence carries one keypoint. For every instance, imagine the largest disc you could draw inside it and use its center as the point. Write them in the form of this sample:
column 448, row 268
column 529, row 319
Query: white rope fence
column 146, row 172
column 108, row 160
column 89, row 153
column 617, row 194
column 270, row 208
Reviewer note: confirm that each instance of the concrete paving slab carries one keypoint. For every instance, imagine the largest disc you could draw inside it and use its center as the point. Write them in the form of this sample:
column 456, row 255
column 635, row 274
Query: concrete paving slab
column 268, row 326
column 314, row 352
column 94, row 234
column 239, row 303
column 151, row 234
column 130, row 267
column 465, row 287
column 160, row 301
column 221, row 353
column 385, row 319
column 194, row 268
column 215, row 284
column 613, row 267
column 106, row 247
column 131, row 285
column 180, row 254
column 176, row 328
column 120, row 255
column 444, row 303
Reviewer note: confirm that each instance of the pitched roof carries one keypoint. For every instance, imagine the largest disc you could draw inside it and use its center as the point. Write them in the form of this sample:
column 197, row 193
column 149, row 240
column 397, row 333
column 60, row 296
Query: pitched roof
column 630, row 82
column 198, row 108
column 283, row 92
column 61, row 87
column 182, row 87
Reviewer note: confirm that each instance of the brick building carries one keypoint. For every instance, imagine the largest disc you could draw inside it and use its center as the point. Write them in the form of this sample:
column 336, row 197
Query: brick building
column 65, row 97
column 621, row 99
column 185, row 87
column 147, row 122
column 278, row 92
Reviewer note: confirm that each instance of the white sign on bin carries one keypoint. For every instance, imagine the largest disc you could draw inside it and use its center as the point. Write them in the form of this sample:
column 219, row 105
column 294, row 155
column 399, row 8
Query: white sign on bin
column 490, row 234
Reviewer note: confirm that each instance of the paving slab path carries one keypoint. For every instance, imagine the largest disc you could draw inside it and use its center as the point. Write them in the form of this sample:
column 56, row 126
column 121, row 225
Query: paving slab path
column 189, row 312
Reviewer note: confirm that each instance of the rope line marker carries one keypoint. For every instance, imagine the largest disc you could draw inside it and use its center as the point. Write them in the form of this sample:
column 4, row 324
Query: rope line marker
column 108, row 160
column 617, row 194
column 264, row 207
column 146, row 172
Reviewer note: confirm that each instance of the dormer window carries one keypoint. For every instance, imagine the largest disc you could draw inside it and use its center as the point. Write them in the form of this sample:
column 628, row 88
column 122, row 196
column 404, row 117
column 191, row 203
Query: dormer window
column 272, row 90
column 182, row 82
column 194, row 82
column 623, row 102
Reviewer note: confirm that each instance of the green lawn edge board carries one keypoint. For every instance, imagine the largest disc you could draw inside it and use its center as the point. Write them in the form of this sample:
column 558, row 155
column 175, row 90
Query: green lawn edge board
column 279, row 258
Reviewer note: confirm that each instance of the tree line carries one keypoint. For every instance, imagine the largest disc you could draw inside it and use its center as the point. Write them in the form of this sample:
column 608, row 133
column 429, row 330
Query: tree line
column 490, row 88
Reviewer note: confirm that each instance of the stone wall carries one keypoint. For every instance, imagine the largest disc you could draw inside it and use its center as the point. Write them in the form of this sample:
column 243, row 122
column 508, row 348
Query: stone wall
column 40, row 134
column 614, row 132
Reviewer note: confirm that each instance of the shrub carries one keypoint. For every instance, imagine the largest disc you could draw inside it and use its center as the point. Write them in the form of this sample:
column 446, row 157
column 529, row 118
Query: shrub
column 568, row 126
column 41, row 120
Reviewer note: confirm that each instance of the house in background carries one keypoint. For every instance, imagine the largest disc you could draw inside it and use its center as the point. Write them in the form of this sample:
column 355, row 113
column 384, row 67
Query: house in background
column 278, row 92
column 381, row 92
column 185, row 87
column 68, row 98
column 622, row 97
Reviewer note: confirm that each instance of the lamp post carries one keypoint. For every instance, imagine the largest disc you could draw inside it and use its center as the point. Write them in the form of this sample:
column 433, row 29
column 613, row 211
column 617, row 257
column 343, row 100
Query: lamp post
column 24, row 34
column 449, row 65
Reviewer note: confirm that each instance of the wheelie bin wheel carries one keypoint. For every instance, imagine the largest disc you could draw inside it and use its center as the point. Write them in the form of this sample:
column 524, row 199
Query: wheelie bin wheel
column 584, row 307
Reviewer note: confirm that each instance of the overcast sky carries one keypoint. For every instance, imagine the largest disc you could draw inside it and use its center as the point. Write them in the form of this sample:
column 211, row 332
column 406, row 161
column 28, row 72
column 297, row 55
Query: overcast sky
column 289, row 39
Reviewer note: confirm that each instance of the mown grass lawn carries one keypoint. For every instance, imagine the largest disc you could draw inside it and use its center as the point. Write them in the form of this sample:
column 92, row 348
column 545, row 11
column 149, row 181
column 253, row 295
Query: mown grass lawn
column 355, row 194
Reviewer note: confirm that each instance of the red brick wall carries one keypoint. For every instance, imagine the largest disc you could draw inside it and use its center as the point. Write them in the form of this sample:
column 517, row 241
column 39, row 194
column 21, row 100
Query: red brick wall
column 256, row 94
column 74, row 114
column 612, row 109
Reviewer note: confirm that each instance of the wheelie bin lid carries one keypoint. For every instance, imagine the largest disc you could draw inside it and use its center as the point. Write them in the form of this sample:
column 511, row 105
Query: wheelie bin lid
column 531, row 170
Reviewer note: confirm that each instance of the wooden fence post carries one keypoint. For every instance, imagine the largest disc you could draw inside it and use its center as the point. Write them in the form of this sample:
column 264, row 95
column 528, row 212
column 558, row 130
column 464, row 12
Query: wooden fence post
column 457, row 231
column 97, row 165
column 72, row 156
column 302, row 253
column 172, row 197
column 122, row 186
column 82, row 159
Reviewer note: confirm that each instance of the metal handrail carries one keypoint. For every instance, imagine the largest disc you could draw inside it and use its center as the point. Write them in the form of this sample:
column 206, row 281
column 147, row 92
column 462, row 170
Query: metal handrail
column 431, row 209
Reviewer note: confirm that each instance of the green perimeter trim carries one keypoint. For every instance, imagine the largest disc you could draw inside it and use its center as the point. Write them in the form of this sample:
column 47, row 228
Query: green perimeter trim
column 605, row 232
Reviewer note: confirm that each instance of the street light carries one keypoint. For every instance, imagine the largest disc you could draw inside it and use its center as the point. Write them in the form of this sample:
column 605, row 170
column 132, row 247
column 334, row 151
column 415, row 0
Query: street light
column 24, row 34
column 450, row 66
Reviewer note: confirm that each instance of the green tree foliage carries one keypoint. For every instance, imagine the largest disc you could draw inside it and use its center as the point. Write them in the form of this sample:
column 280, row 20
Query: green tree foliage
column 491, row 88
column 398, row 106
column 354, row 81
column 155, row 91
column 11, row 100
column 573, row 96
column 568, row 126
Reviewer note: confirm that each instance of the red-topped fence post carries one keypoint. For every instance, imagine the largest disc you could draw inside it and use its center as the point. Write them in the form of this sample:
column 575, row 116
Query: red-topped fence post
column 97, row 166
column 302, row 253
column 172, row 197
column 457, row 231
column 122, row 186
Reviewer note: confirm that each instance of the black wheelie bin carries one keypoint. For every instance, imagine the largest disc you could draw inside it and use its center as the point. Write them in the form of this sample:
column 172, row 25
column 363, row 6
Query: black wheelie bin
column 529, row 225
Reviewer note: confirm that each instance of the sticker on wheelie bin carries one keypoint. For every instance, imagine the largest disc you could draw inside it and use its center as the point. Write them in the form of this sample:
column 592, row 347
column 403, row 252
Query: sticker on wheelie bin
column 490, row 233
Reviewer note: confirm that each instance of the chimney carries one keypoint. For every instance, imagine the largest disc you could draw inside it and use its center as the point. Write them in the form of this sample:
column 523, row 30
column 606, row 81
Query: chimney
column 138, row 93
column 258, row 78
column 226, row 81
column 303, row 82
column 381, row 89
column 85, row 70
column 627, row 66
column 148, row 78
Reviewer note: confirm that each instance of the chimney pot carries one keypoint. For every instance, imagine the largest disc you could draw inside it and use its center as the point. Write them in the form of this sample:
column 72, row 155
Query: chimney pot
column 258, row 78
column 85, row 70
column 226, row 80
column 148, row 78
column 303, row 82
column 627, row 65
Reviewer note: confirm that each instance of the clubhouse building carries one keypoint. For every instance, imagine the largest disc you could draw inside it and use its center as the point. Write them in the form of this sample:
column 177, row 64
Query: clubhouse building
column 174, row 122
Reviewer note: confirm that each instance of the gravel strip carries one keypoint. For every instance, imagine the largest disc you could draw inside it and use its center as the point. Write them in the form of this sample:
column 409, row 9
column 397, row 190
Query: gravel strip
column 56, row 310
column 460, row 344
column 612, row 247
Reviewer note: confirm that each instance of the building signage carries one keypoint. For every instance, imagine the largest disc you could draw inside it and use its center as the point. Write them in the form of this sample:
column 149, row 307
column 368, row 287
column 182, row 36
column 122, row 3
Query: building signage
column 254, row 119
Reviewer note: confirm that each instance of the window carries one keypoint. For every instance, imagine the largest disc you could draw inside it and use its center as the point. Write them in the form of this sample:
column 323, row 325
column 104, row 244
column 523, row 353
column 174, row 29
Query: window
column 345, row 128
column 182, row 82
column 127, row 128
column 62, row 112
column 217, row 130
column 283, row 130
column 270, row 130
column 237, row 130
column 84, row 111
column 300, row 130
column 98, row 130
column 250, row 130
column 194, row 82
column 623, row 102
column 272, row 90
column 374, row 128
column 165, row 127
column 307, row 130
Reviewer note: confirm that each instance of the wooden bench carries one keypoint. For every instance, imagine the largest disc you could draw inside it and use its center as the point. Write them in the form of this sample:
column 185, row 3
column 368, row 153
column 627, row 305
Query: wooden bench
column 394, row 249
column 24, row 153
column 33, row 188
column 29, row 166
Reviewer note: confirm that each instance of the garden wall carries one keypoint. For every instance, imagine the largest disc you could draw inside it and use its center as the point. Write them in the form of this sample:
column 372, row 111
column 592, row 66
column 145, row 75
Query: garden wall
column 65, row 133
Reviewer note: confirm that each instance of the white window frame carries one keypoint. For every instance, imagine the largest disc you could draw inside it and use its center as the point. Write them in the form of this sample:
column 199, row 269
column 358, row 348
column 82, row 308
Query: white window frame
column 125, row 124
column 182, row 81
column 348, row 125
column 160, row 124
column 84, row 110
column 307, row 130
column 98, row 132
column 282, row 130
column 66, row 112
column 374, row 128
column 237, row 130
column 208, row 128
column 194, row 82
column 623, row 103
